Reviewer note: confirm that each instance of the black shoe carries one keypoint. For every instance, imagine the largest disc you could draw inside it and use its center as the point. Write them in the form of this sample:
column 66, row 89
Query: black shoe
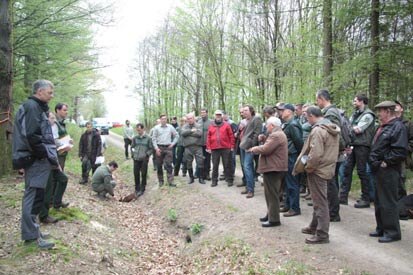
column 201, row 181
column 48, row 220
column 344, row 201
column 230, row 183
column 241, row 185
column 362, row 204
column 184, row 174
column 222, row 177
column 83, row 181
column 376, row 234
column 335, row 219
column 387, row 239
column 214, row 183
column 270, row 224
column 171, row 184
column 42, row 244
column 191, row 180
column 264, row 219
column 284, row 209
column 160, row 183
column 208, row 177
column 139, row 193
column 63, row 205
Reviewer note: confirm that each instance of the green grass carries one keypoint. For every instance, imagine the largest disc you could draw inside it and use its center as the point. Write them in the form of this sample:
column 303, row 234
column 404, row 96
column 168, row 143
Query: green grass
column 196, row 228
column 70, row 214
column 118, row 130
column 293, row 267
column 172, row 215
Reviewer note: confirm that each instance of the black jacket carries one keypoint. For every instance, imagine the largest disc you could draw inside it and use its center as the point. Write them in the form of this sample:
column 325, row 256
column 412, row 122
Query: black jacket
column 96, row 146
column 294, row 133
column 32, row 135
column 389, row 145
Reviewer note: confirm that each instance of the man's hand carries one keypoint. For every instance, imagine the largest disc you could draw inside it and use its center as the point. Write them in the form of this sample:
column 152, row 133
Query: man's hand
column 158, row 152
column 170, row 146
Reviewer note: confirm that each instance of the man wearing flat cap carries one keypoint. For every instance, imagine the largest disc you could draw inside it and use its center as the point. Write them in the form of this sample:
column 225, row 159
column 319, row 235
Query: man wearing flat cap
column 388, row 151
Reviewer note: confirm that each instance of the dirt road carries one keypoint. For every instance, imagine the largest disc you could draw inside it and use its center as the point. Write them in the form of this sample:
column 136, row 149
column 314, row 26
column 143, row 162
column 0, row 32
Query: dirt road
column 350, row 251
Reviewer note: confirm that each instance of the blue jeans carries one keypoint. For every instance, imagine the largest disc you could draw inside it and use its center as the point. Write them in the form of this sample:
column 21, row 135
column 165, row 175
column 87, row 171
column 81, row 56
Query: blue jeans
column 372, row 184
column 248, row 161
column 293, row 186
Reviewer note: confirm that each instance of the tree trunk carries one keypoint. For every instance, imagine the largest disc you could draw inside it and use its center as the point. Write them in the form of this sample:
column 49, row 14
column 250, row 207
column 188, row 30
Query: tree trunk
column 6, row 79
column 374, row 76
column 327, row 43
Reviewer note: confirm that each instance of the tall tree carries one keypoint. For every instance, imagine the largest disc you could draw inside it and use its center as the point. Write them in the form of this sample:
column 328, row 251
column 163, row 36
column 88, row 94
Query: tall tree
column 6, row 78
column 327, row 42
column 375, row 40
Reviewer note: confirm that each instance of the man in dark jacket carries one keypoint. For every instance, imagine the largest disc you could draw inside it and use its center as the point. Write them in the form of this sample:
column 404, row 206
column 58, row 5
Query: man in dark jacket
column 90, row 147
column 141, row 150
column 362, row 124
column 294, row 133
column 192, row 141
column 388, row 151
column 34, row 150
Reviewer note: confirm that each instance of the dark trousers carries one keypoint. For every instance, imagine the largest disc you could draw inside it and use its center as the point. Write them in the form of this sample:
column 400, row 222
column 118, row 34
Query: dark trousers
column 226, row 155
column 128, row 144
column 332, row 194
column 164, row 160
column 359, row 157
column 321, row 218
column 58, row 182
column 174, row 155
column 272, row 188
column 207, row 164
column 292, row 186
column 31, row 206
column 180, row 160
column 140, row 170
column 87, row 165
column 385, row 204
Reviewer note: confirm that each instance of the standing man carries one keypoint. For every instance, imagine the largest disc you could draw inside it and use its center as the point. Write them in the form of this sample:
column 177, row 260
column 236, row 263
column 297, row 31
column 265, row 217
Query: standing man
column 362, row 126
column 164, row 139
column 319, row 157
column 61, row 110
column 180, row 149
column 204, row 121
column 249, row 139
column 34, row 150
column 90, row 147
column 127, row 137
column 220, row 144
column 141, row 151
column 294, row 133
column 331, row 113
column 192, row 141
column 273, row 163
column 388, row 151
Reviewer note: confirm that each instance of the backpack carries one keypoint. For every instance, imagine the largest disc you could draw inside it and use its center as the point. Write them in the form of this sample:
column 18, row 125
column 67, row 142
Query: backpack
column 345, row 128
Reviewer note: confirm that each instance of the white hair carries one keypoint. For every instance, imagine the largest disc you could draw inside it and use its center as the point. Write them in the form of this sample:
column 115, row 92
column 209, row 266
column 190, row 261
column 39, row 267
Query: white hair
column 274, row 121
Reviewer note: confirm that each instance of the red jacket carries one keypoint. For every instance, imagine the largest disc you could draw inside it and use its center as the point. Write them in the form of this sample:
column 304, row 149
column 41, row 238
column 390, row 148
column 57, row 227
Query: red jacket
column 220, row 136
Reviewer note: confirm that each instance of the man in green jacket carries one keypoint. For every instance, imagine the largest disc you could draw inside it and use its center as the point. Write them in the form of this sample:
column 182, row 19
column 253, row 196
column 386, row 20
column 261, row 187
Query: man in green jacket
column 103, row 181
column 141, row 151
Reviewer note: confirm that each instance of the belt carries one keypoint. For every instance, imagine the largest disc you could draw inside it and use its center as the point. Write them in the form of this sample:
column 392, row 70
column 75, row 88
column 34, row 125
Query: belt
column 163, row 145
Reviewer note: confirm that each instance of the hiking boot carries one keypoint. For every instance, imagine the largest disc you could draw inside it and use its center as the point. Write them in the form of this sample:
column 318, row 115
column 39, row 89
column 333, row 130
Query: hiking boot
column 241, row 185
column 48, row 220
column 83, row 181
column 316, row 240
column 42, row 244
column 214, row 183
column 191, row 180
column 362, row 204
column 308, row 230
column 230, row 183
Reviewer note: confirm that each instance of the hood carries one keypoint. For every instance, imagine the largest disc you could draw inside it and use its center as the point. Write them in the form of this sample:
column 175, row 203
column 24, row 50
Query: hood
column 331, row 128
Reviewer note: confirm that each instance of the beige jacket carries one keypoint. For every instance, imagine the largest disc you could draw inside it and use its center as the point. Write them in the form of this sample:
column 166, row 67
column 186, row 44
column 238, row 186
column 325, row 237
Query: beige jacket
column 322, row 148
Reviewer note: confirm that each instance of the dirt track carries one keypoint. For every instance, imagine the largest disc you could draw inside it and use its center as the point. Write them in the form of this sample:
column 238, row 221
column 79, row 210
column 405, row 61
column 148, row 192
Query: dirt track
column 350, row 246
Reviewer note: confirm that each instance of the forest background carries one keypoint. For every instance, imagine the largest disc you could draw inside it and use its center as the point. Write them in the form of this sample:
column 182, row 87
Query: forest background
column 217, row 54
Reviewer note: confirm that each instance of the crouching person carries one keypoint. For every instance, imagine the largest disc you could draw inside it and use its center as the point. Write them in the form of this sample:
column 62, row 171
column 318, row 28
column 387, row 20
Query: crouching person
column 103, row 181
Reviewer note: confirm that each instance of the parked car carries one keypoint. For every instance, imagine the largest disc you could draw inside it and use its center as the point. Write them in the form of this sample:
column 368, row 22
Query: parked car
column 117, row 124
column 103, row 124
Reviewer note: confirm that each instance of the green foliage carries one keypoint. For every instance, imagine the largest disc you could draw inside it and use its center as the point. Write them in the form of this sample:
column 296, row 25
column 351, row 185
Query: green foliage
column 294, row 267
column 172, row 215
column 196, row 228
column 70, row 214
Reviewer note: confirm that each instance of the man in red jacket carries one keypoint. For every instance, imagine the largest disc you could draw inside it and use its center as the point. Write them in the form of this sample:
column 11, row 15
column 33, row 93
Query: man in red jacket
column 220, row 143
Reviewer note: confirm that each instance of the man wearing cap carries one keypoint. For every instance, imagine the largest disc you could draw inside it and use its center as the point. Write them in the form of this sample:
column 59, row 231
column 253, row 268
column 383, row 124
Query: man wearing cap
column 273, row 164
column 362, row 129
column 294, row 135
column 388, row 151
column 220, row 143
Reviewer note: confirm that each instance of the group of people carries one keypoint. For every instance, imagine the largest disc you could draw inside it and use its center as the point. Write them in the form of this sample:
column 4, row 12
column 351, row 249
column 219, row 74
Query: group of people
column 300, row 148
column 41, row 144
